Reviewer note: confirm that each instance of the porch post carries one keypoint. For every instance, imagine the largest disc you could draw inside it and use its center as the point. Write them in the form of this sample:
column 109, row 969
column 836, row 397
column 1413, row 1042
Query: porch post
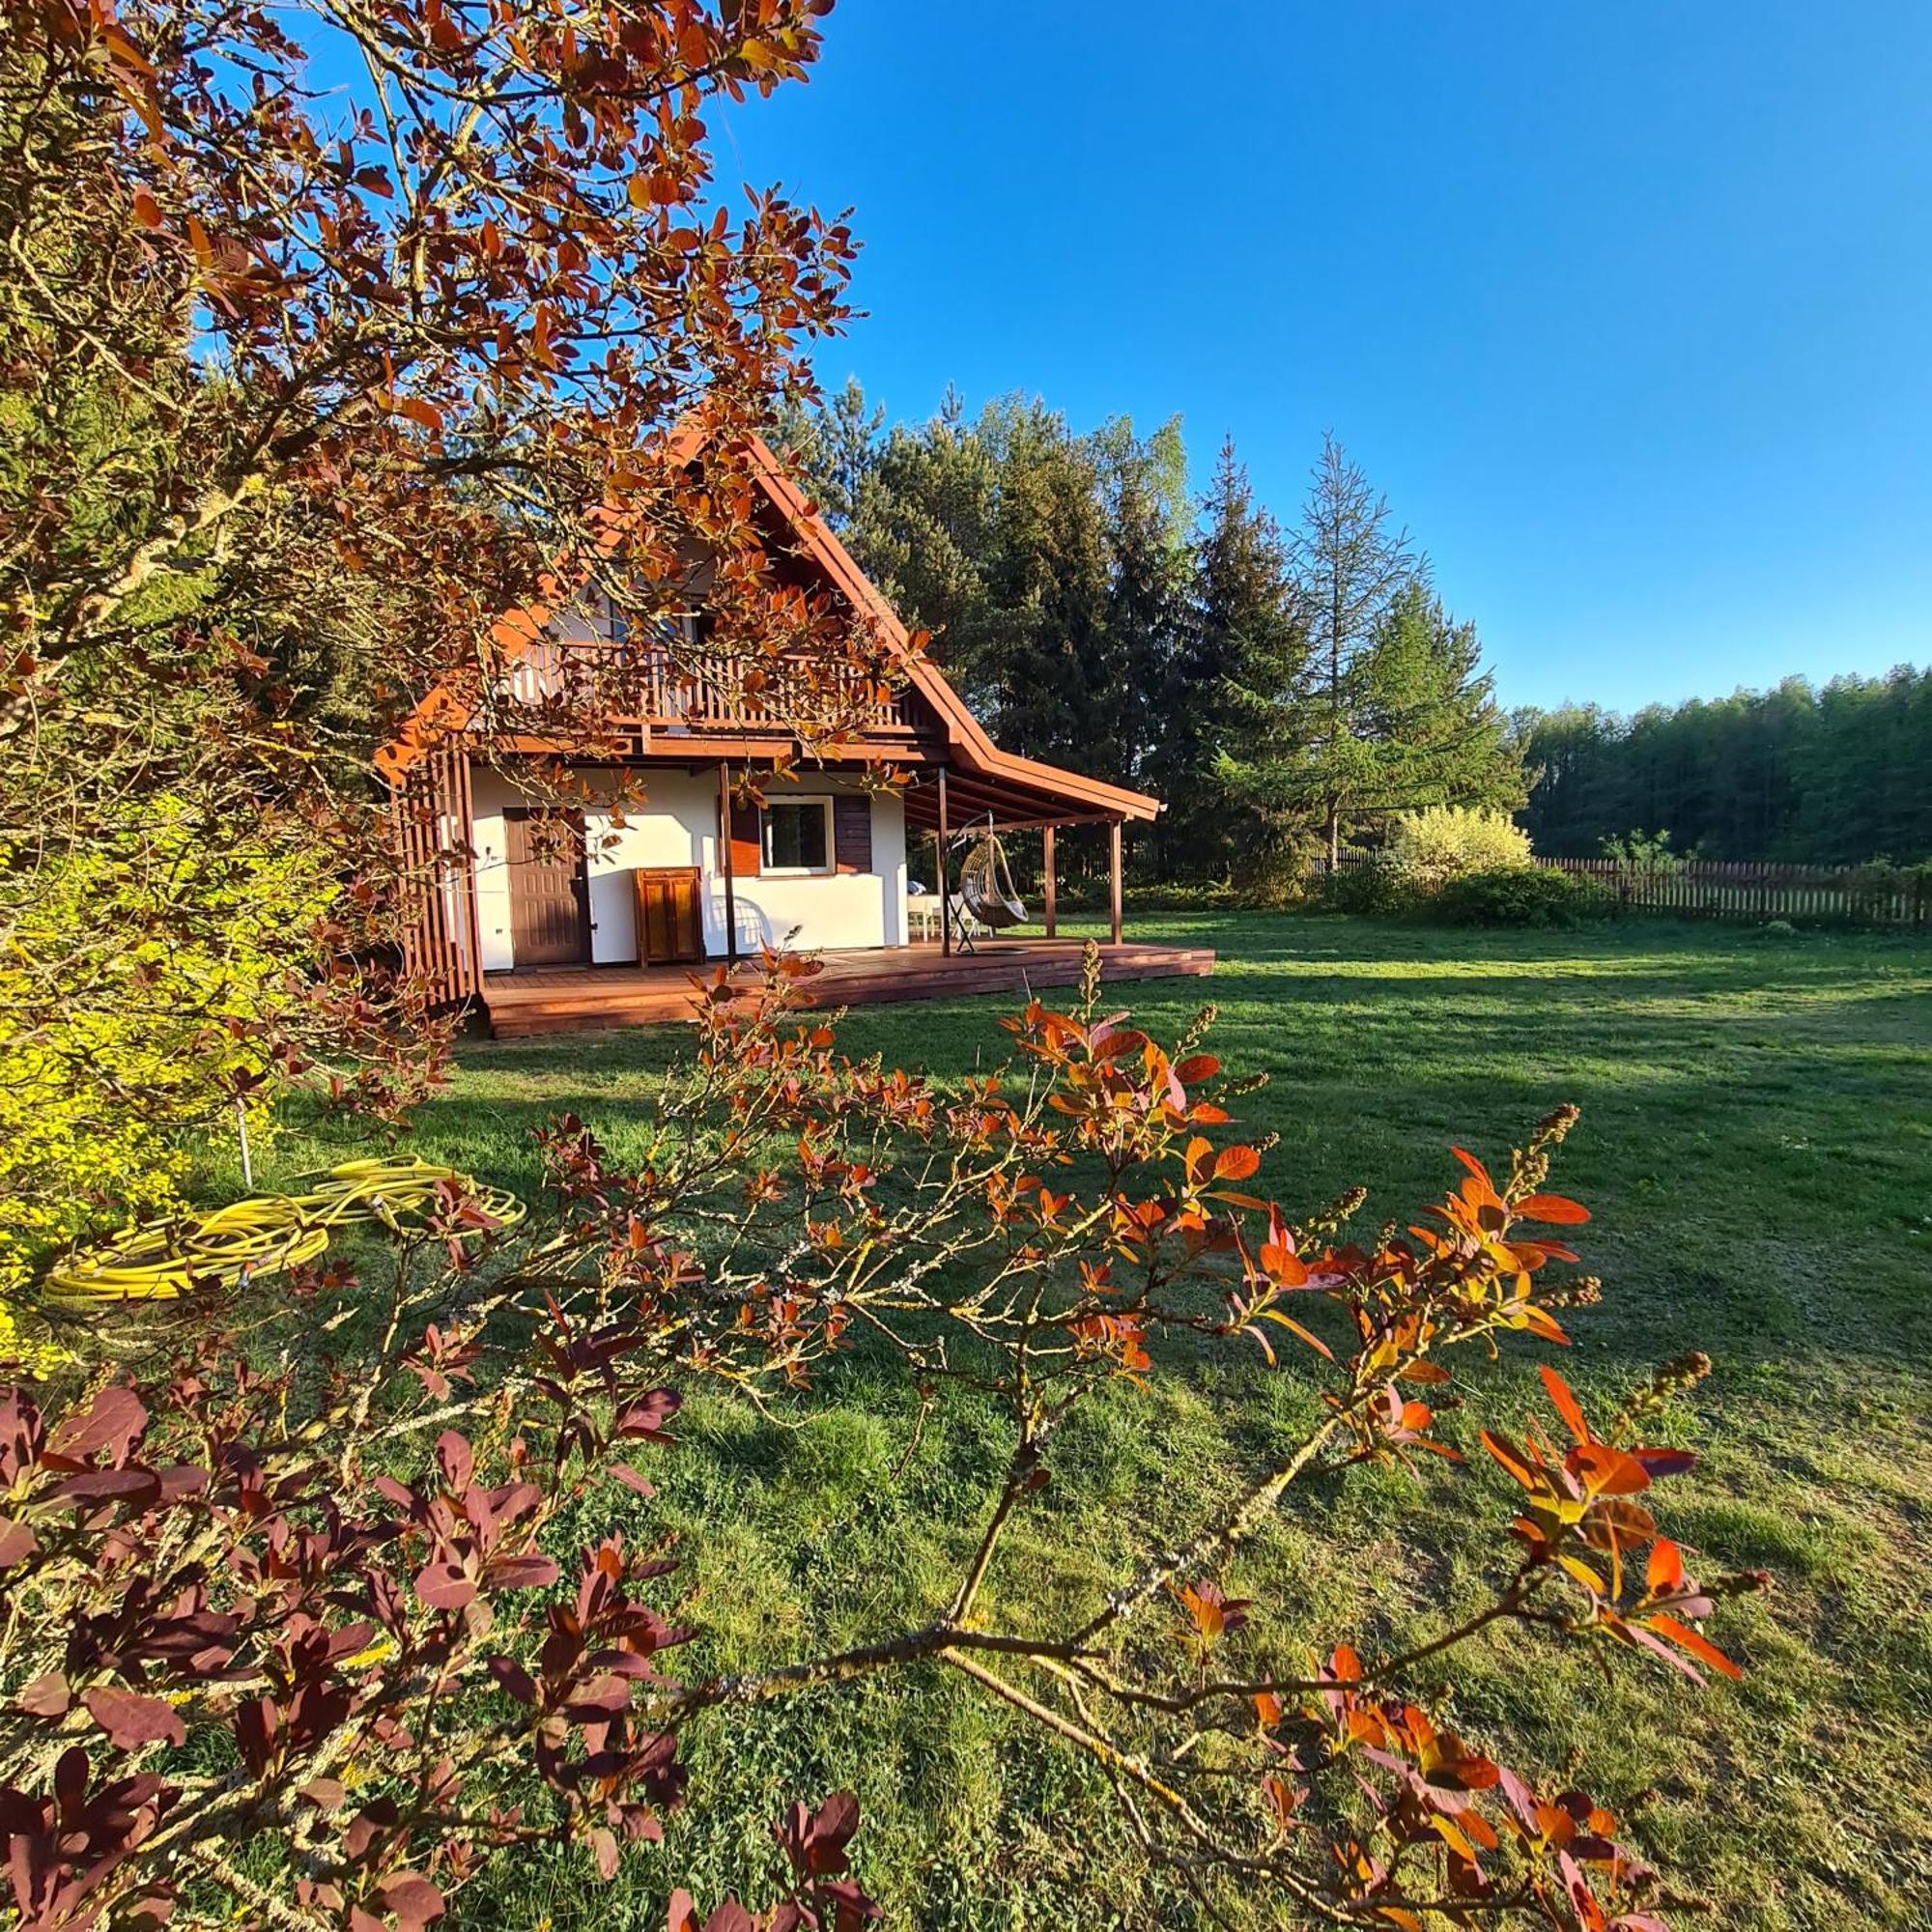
column 724, row 853
column 1114, row 865
column 945, row 916
column 465, row 827
column 1051, row 888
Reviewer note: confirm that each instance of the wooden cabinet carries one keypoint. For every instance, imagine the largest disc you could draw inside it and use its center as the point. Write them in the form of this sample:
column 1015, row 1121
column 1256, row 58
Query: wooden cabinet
column 671, row 914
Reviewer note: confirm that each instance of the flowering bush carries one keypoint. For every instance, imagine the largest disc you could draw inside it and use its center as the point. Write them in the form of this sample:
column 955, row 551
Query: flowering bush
column 1445, row 840
column 325, row 1595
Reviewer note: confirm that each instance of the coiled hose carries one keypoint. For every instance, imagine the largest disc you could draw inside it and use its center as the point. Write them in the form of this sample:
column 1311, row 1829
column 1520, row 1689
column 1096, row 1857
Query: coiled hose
column 267, row 1234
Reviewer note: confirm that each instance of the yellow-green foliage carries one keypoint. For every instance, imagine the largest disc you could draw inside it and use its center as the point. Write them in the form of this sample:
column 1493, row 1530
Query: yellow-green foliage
column 1446, row 840
column 113, row 1074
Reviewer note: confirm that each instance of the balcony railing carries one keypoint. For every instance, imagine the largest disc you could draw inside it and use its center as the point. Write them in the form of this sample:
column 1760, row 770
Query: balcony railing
column 698, row 690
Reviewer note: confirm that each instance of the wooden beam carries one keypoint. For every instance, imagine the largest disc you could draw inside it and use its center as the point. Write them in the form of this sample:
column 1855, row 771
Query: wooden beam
column 472, row 919
column 1050, row 889
column 1114, row 868
column 725, row 852
column 939, row 844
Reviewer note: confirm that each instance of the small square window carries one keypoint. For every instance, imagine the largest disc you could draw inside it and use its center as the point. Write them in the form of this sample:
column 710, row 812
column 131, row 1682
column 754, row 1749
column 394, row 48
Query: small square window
column 798, row 835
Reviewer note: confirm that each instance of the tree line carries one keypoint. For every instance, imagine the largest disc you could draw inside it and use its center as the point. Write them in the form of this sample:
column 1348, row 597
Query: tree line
column 1284, row 687
column 1835, row 776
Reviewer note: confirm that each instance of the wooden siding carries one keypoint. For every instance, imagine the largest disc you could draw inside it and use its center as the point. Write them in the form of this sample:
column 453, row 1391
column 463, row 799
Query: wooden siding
column 852, row 832
column 432, row 814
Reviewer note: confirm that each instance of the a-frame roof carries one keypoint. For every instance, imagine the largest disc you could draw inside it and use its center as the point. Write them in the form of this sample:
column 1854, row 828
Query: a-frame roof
column 984, row 779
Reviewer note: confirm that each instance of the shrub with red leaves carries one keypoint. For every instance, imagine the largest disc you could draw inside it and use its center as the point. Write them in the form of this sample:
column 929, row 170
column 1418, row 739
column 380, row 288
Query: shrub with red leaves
column 324, row 1593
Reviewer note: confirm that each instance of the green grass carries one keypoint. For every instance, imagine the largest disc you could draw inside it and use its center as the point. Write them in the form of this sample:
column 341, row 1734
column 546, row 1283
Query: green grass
column 1756, row 1146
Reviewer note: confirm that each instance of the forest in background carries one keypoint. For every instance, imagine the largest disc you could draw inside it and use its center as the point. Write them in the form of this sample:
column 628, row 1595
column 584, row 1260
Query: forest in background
column 1835, row 776
column 1289, row 682
column 1285, row 686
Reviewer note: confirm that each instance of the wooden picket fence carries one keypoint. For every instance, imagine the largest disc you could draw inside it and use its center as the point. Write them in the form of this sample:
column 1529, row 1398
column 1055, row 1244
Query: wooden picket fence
column 1742, row 889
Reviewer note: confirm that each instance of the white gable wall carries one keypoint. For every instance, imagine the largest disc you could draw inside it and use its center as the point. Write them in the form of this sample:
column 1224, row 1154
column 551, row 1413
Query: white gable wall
column 677, row 825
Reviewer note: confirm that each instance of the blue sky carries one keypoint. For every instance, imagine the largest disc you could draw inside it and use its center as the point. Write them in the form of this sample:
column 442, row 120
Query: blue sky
column 1628, row 307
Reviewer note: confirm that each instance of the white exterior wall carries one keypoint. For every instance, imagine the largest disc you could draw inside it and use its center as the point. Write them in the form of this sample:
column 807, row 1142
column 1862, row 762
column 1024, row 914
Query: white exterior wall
column 677, row 825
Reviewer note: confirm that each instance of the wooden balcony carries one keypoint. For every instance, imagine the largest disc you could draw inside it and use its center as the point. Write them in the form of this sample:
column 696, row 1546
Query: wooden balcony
column 702, row 694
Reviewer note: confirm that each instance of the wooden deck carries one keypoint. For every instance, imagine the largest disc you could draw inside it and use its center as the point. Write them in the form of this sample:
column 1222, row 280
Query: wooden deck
column 579, row 999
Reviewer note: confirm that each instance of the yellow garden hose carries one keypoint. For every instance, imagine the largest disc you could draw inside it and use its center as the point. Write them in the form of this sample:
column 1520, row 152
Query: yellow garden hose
column 265, row 1234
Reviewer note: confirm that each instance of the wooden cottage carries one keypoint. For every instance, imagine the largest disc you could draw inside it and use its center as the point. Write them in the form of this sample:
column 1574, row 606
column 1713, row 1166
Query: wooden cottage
column 598, row 920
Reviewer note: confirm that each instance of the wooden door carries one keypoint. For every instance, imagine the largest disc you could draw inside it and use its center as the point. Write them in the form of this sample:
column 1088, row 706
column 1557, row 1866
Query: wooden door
column 670, row 922
column 550, row 888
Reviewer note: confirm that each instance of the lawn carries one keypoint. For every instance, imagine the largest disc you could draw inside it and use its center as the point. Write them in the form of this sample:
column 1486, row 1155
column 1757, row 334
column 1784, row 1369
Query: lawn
column 1756, row 1146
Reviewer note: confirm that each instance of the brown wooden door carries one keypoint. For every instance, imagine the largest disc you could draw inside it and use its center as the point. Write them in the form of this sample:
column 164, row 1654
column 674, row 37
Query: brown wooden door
column 550, row 889
column 670, row 923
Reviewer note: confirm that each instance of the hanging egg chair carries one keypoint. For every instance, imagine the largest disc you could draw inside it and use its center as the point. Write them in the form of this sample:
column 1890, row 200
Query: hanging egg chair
column 986, row 883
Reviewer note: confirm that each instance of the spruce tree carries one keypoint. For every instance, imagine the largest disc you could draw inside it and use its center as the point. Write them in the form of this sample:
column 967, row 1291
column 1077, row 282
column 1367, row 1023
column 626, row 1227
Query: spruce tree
column 1144, row 491
column 1229, row 699
column 1428, row 727
column 1352, row 564
column 924, row 532
column 1049, row 580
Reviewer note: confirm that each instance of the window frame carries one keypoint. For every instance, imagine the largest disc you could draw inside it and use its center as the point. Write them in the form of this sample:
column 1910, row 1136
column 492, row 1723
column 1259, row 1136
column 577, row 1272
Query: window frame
column 768, row 867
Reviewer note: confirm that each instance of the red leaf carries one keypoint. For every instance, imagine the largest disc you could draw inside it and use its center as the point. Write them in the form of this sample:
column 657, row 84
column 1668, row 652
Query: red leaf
column 106, row 1485
column 1552, row 1208
column 46, row 1696
column 648, row 1414
column 131, row 1720
column 1566, row 1404
column 522, row 1573
column 443, row 1586
column 1512, row 1459
column 631, row 1479
column 1236, row 1163
column 16, row 1543
column 113, row 1419
column 1665, row 1568
column 455, row 1460
column 512, row 1678
column 1696, row 1643
column 411, row 1897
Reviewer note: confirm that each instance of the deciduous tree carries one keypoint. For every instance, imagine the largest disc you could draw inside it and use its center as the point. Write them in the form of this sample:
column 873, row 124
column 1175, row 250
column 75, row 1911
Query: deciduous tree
column 332, row 335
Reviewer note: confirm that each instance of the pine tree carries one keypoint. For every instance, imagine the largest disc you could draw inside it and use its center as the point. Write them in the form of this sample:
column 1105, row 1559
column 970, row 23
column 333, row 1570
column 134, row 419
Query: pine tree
column 833, row 449
column 925, row 533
